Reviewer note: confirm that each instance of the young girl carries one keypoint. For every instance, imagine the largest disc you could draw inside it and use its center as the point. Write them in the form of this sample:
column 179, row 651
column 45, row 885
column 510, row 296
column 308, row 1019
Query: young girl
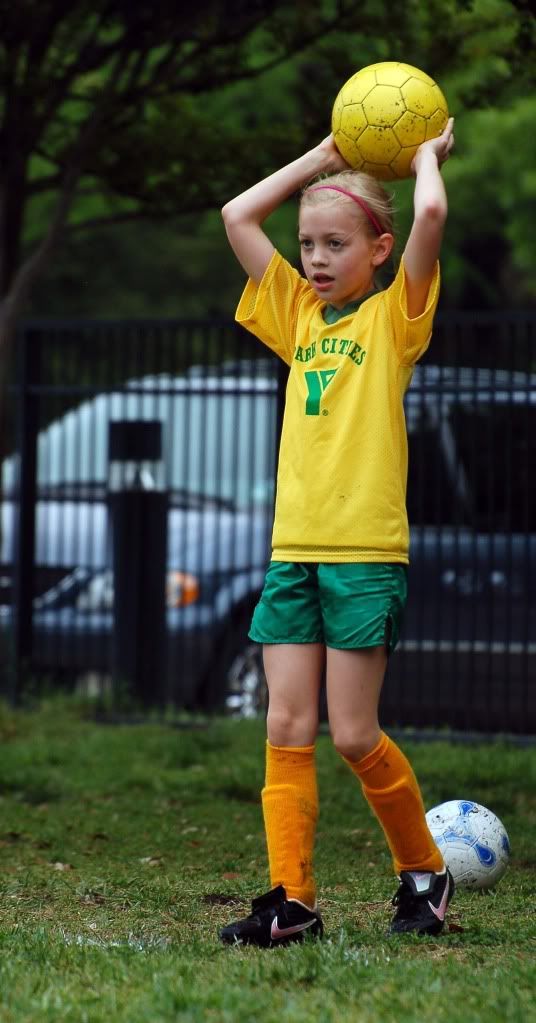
column 335, row 589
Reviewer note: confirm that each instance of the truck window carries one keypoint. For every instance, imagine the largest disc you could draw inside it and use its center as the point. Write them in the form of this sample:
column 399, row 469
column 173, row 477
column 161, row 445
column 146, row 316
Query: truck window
column 496, row 441
column 431, row 496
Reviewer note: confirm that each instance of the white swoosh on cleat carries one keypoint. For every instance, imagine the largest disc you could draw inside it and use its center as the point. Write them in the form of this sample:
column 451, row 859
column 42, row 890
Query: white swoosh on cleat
column 442, row 908
column 285, row 932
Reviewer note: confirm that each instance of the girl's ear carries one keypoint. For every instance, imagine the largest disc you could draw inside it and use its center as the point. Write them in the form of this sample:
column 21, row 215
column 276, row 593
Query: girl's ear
column 383, row 246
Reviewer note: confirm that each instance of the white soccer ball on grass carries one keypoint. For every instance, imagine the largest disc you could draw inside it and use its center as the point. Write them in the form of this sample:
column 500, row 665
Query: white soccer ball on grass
column 473, row 841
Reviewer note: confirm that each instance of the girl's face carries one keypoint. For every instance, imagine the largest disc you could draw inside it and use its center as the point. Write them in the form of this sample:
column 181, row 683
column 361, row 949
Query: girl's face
column 338, row 256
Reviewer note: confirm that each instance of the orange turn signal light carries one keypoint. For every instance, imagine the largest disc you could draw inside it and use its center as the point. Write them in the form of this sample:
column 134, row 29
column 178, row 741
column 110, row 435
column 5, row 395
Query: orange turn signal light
column 181, row 589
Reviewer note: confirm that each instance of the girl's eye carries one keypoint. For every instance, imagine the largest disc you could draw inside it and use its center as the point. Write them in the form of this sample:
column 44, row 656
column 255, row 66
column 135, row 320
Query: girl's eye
column 335, row 243
column 306, row 243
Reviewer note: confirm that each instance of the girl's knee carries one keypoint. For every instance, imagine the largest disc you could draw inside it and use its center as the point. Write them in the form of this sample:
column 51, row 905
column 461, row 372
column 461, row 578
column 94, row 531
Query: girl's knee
column 286, row 728
column 353, row 742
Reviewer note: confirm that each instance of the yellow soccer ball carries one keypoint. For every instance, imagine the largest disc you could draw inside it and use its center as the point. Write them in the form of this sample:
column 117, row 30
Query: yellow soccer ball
column 381, row 116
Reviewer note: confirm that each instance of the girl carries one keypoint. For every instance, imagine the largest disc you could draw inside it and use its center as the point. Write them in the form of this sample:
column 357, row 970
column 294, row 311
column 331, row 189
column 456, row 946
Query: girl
column 336, row 586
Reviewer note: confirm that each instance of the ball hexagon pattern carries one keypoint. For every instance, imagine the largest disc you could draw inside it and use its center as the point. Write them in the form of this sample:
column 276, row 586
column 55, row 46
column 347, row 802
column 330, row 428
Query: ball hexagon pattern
column 383, row 113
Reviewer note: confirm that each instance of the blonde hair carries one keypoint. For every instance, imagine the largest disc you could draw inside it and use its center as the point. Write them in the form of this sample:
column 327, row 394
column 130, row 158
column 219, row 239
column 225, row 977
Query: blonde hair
column 367, row 188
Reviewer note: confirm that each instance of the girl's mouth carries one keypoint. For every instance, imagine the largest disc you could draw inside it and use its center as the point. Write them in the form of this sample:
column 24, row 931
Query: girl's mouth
column 322, row 281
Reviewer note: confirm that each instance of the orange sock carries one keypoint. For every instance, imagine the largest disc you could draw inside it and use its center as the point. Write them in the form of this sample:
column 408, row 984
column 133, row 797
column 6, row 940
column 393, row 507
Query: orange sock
column 392, row 791
column 290, row 807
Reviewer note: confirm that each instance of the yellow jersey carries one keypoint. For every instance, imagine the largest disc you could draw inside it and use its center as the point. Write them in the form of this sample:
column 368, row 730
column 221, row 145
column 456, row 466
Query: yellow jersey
column 342, row 472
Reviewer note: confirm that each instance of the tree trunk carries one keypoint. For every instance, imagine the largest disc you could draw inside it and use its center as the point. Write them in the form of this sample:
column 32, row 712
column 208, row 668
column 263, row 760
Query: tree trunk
column 13, row 302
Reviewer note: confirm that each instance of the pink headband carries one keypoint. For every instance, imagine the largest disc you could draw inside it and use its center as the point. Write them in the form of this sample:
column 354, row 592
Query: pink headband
column 360, row 202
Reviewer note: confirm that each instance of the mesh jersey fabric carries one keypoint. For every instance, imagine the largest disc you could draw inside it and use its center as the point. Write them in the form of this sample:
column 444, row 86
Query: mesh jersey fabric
column 342, row 472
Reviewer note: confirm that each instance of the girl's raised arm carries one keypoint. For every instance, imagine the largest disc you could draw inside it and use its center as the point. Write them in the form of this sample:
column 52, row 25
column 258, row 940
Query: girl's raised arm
column 244, row 215
column 430, row 206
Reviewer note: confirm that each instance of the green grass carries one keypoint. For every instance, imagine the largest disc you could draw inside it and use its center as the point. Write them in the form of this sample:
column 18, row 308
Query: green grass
column 123, row 849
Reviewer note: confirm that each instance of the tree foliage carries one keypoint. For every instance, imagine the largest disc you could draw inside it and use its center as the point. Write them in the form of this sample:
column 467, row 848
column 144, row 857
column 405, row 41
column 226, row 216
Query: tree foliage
column 113, row 111
column 97, row 101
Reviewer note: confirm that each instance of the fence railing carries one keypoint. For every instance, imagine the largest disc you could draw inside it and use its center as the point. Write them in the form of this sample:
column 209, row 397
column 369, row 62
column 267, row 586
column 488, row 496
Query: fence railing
column 468, row 654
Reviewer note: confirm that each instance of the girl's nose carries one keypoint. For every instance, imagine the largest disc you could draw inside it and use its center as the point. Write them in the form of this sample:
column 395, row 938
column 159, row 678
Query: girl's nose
column 319, row 257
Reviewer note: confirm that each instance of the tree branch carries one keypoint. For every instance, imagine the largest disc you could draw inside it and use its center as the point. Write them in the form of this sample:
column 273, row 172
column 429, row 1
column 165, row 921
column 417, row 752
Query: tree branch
column 26, row 274
column 133, row 216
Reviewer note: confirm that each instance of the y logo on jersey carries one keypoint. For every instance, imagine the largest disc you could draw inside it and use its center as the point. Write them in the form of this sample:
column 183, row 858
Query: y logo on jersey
column 317, row 381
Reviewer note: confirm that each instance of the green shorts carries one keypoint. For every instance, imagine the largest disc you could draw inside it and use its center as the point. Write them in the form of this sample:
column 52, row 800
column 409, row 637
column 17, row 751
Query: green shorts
column 345, row 606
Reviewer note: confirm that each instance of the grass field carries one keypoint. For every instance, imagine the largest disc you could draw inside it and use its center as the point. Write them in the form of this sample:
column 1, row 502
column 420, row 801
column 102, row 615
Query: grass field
column 124, row 848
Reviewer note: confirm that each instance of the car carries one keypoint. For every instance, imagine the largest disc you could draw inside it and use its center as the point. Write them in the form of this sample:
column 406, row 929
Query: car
column 471, row 615
column 217, row 471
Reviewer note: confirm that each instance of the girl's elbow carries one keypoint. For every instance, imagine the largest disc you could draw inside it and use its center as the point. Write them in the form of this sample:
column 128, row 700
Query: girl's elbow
column 435, row 212
column 233, row 217
column 226, row 212
column 430, row 221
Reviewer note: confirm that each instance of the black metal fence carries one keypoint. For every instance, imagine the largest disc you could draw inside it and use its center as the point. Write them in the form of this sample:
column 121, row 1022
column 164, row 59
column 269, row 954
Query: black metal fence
column 468, row 655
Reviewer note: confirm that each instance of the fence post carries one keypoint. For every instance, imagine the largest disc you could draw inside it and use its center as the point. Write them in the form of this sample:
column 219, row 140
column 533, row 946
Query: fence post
column 139, row 546
column 29, row 377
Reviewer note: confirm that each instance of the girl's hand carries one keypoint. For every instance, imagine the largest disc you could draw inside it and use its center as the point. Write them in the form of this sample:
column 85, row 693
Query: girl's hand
column 441, row 146
column 335, row 162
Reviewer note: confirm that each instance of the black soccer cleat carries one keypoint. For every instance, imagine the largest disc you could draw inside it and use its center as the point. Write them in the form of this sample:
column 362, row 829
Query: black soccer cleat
column 274, row 920
column 421, row 902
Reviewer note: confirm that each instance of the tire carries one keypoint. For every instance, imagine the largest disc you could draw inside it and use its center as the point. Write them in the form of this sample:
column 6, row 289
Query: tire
column 246, row 693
